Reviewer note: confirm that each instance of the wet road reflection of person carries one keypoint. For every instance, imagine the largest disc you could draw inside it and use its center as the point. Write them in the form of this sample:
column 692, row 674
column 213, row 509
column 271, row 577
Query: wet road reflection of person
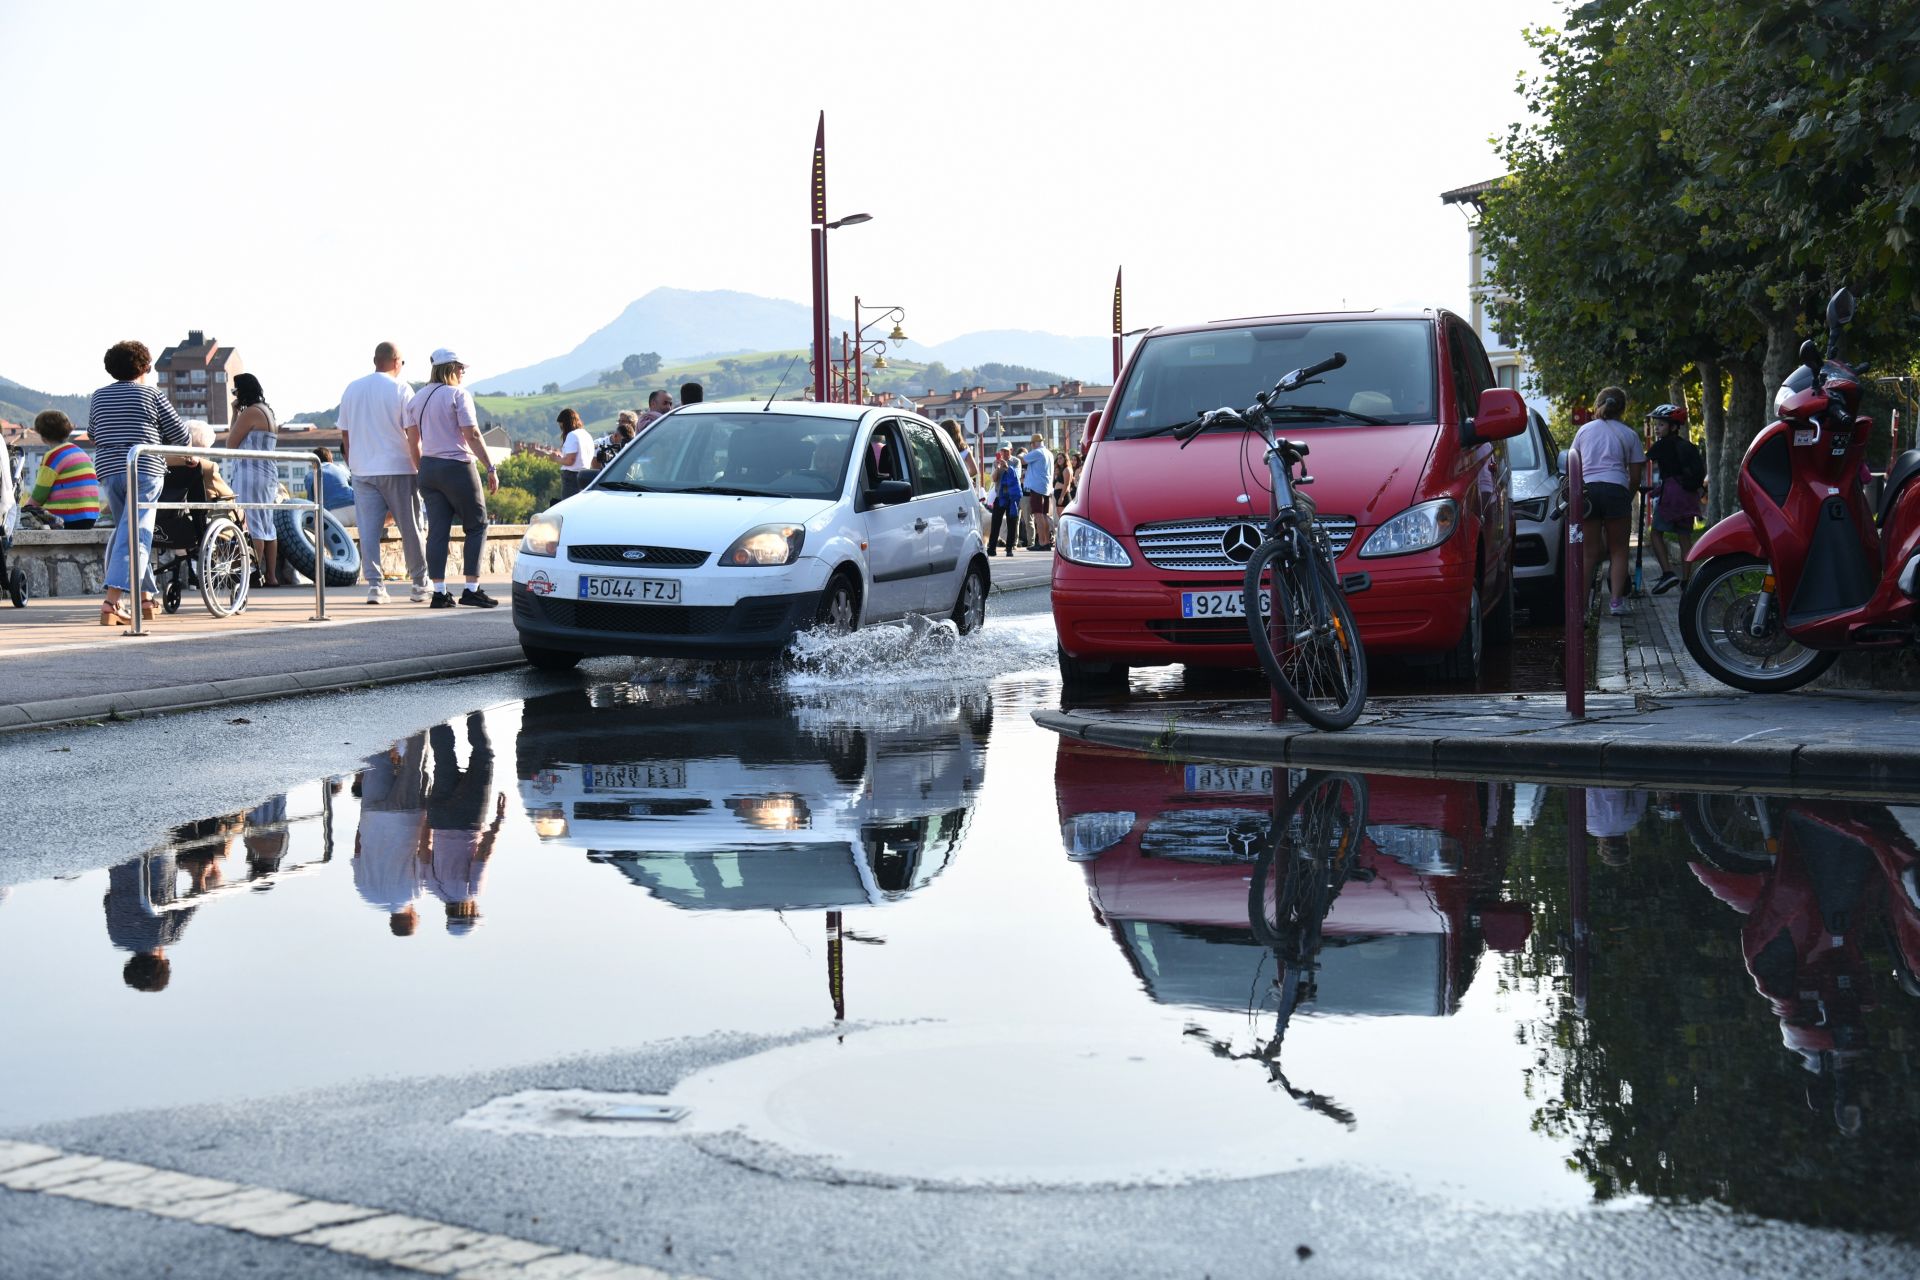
column 460, row 839
column 266, row 837
column 142, row 917
column 390, row 847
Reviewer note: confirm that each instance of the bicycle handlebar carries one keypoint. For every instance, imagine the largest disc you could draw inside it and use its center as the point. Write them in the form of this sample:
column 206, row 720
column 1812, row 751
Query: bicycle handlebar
column 1255, row 414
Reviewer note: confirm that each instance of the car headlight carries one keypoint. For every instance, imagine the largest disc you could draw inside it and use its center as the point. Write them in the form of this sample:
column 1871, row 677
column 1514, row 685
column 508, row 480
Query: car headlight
column 770, row 544
column 543, row 536
column 1084, row 542
column 1415, row 529
column 1086, row 835
column 1534, row 509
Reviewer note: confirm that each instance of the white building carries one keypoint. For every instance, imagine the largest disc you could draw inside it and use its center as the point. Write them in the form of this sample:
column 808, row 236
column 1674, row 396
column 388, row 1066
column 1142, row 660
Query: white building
column 1510, row 367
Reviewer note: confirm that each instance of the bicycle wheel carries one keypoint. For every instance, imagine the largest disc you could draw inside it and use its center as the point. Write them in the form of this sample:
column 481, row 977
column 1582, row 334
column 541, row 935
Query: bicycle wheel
column 1306, row 638
column 1316, row 836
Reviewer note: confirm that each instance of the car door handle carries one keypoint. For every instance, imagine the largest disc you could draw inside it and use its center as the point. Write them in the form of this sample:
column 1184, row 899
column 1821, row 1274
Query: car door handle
column 919, row 526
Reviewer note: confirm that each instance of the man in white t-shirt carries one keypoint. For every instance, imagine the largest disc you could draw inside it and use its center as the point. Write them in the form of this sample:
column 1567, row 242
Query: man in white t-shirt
column 576, row 452
column 391, row 842
column 373, row 416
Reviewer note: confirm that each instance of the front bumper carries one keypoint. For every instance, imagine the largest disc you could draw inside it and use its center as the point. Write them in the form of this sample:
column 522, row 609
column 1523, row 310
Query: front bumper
column 751, row 627
column 1536, row 549
column 1133, row 616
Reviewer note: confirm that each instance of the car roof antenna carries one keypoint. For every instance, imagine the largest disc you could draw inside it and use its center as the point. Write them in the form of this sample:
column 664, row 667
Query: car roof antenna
column 783, row 382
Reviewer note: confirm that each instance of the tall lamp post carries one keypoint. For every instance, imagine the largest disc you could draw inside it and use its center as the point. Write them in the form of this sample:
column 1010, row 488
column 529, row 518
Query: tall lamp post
column 860, row 343
column 822, row 325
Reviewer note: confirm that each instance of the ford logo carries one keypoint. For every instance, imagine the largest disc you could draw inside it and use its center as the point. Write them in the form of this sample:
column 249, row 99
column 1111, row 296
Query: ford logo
column 633, row 553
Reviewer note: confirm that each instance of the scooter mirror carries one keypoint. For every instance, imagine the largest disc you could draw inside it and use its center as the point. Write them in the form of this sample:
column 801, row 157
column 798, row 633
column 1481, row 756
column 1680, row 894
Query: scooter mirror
column 1840, row 309
column 1810, row 355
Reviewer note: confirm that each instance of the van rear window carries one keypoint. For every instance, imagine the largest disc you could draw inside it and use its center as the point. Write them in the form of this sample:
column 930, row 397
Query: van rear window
column 1389, row 374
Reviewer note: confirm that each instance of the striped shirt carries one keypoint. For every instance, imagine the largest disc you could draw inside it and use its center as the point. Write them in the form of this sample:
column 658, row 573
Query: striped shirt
column 124, row 414
column 66, row 485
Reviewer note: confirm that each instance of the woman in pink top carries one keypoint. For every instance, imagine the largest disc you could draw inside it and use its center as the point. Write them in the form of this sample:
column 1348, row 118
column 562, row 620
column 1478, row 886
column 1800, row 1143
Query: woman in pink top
column 1610, row 456
column 444, row 435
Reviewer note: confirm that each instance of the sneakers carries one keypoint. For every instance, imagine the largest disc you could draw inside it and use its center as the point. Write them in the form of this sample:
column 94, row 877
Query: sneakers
column 418, row 594
column 441, row 600
column 377, row 594
column 1668, row 581
column 475, row 598
column 1617, row 608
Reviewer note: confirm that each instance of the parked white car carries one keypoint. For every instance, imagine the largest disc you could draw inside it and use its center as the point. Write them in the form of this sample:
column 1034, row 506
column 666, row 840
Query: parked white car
column 725, row 528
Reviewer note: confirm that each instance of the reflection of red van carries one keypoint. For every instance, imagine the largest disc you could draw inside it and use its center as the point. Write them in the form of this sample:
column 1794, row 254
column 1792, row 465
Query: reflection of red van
column 1169, row 878
column 1149, row 556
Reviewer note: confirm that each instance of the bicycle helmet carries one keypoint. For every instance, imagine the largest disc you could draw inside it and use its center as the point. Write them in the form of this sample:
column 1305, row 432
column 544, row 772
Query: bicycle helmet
column 1674, row 413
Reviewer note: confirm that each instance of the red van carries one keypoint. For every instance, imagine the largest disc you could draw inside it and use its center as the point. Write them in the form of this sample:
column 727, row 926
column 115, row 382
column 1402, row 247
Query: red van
column 1409, row 479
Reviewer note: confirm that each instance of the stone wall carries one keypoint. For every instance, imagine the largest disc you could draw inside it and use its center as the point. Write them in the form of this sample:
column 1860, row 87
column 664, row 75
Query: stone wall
column 62, row 564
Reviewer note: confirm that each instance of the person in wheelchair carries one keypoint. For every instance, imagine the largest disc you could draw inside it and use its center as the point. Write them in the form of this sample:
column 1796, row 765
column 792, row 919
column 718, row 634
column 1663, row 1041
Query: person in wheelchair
column 205, row 549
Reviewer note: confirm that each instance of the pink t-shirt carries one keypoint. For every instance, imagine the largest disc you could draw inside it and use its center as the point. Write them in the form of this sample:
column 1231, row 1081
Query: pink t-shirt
column 1607, row 447
column 441, row 412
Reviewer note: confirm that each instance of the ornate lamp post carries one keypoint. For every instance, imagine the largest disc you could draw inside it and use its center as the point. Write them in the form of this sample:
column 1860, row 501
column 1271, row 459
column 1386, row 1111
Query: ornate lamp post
column 860, row 342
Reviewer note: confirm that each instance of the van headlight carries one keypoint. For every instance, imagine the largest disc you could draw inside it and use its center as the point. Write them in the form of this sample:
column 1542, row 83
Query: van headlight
column 1415, row 529
column 1082, row 541
column 770, row 544
column 542, row 537
column 1088, row 835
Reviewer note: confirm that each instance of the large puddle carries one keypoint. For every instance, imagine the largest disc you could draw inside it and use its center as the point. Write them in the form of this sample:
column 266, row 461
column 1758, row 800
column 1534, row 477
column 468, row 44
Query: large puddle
column 1049, row 963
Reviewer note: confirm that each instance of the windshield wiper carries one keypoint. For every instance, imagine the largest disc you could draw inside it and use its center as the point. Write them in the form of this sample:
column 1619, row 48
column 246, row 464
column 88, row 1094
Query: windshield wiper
column 1322, row 411
column 1160, row 430
column 730, row 490
column 625, row 486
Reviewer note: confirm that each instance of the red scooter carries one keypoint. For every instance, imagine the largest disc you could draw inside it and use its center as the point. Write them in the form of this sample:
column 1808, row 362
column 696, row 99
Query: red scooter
column 1807, row 568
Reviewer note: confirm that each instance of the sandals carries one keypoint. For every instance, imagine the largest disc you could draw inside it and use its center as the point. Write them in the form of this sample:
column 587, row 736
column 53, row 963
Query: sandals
column 111, row 616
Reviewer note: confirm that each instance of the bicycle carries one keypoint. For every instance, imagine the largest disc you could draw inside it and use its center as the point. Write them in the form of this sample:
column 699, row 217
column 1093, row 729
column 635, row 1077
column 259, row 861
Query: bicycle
column 1296, row 611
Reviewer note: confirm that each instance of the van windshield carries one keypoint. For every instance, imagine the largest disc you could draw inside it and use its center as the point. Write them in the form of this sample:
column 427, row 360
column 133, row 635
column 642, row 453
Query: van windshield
column 772, row 454
column 1389, row 374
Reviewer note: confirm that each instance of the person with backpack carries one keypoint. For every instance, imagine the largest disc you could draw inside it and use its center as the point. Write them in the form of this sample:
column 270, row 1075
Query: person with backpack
column 1610, row 453
column 1681, row 476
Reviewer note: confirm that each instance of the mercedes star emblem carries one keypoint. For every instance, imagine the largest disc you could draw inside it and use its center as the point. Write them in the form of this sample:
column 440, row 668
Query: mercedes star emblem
column 1239, row 542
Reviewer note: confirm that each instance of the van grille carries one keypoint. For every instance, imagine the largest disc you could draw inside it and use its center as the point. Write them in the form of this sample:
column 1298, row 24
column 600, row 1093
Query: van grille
column 1196, row 545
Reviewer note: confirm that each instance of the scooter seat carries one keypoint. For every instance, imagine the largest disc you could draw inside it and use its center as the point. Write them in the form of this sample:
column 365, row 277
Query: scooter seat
column 1904, row 468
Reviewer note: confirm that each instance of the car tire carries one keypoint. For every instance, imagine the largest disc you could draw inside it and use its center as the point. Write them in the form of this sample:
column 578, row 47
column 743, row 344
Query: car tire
column 1078, row 676
column 542, row 659
column 840, row 604
column 1461, row 664
column 970, row 609
column 296, row 546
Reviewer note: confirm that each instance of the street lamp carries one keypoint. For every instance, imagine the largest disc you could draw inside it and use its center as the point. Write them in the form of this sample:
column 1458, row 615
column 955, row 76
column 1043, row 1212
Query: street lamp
column 822, row 323
column 896, row 314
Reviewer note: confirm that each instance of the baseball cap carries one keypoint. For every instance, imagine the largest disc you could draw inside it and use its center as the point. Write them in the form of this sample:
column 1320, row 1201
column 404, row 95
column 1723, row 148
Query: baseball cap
column 445, row 355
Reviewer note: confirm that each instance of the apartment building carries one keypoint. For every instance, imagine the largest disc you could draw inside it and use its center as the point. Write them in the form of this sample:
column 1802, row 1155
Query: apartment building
column 194, row 376
column 1056, row 412
column 1510, row 366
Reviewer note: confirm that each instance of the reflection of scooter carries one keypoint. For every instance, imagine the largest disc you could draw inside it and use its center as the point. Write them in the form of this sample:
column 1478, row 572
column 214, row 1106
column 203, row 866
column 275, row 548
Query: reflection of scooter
column 1808, row 876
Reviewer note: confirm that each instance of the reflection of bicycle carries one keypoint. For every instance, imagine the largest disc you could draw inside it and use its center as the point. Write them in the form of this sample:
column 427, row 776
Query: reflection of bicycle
column 1296, row 609
column 1308, row 859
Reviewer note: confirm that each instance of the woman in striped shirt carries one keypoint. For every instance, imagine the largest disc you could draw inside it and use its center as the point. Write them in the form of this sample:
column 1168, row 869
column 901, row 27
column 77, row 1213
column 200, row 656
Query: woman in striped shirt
column 65, row 486
column 122, row 414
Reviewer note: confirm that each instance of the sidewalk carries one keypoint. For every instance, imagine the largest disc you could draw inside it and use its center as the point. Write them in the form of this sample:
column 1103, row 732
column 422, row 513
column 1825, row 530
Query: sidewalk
column 58, row 664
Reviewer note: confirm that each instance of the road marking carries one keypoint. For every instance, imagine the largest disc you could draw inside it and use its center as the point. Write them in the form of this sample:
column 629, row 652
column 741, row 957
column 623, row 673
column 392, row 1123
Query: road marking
column 418, row 1244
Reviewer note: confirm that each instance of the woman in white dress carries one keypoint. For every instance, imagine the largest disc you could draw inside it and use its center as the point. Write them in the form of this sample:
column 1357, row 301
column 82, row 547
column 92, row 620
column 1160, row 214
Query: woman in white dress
column 255, row 479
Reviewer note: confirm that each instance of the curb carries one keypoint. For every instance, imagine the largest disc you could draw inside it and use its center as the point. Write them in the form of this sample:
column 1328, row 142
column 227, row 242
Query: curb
column 134, row 704
column 1598, row 756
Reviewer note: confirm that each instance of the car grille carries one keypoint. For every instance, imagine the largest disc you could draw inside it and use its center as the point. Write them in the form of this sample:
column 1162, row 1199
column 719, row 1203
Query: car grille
column 1195, row 546
column 650, row 557
column 748, row 616
column 1530, row 552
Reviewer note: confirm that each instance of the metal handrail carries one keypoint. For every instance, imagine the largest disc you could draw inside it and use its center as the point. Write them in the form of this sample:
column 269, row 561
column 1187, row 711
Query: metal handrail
column 136, row 563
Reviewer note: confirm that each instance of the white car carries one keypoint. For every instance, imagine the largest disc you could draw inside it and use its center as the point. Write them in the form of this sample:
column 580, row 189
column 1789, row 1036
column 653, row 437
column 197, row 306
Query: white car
column 725, row 528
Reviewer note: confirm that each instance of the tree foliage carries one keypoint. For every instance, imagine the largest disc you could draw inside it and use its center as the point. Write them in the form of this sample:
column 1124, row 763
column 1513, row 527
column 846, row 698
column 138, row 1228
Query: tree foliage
column 537, row 476
column 639, row 366
column 509, row 505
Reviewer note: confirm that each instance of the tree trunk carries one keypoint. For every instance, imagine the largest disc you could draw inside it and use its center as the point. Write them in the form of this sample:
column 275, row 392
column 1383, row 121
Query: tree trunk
column 1713, row 424
column 1747, row 412
column 1783, row 349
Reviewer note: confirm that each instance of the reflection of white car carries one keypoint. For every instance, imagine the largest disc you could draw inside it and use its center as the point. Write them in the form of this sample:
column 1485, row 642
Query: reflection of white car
column 741, row 806
column 726, row 528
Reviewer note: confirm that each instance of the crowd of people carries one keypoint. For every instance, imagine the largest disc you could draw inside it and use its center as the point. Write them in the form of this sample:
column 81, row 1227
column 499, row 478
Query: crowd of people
column 1026, row 493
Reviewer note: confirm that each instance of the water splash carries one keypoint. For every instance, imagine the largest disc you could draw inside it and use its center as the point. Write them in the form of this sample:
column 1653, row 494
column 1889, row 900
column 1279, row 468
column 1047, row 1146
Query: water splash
column 918, row 651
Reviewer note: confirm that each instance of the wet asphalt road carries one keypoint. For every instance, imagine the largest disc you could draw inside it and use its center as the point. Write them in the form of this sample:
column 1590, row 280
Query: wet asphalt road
column 692, row 1205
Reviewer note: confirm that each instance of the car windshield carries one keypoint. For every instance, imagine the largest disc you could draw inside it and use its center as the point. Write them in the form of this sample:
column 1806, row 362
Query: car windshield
column 1388, row 377
column 750, row 452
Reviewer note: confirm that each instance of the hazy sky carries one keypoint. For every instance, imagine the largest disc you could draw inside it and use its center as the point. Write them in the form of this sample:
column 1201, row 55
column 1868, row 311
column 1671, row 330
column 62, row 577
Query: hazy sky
column 304, row 180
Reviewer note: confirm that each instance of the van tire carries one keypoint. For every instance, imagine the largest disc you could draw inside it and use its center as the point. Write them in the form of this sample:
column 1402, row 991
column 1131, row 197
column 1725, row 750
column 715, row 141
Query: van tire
column 1077, row 676
column 1461, row 664
column 1499, row 624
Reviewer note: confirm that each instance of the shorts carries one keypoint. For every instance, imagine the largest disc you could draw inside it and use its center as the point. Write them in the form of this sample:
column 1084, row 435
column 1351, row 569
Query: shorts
column 1681, row 525
column 1036, row 504
column 1606, row 501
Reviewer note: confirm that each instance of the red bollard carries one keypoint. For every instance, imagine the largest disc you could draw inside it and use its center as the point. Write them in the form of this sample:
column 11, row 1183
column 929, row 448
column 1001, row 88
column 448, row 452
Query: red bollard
column 1573, row 572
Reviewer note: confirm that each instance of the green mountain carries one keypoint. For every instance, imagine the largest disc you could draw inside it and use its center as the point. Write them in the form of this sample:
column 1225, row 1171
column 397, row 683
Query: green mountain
column 20, row 403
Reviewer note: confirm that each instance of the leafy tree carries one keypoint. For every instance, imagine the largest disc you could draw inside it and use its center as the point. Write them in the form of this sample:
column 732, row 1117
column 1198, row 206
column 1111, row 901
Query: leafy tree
column 533, row 474
column 639, row 366
column 550, row 389
column 509, row 505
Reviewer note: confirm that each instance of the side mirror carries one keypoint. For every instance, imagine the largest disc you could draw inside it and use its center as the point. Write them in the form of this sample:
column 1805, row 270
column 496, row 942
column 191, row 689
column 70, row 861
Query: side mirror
column 888, row 492
column 1561, row 461
column 1086, row 433
column 1502, row 415
column 1840, row 309
column 1810, row 355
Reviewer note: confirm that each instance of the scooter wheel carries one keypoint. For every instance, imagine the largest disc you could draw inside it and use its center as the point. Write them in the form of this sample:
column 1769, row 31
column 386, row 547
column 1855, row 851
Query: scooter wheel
column 1718, row 621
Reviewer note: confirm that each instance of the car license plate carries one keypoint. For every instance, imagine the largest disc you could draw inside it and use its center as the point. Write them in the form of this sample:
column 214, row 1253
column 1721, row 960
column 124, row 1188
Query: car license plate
column 1238, row 781
column 630, row 590
column 1218, row 604
column 636, row 777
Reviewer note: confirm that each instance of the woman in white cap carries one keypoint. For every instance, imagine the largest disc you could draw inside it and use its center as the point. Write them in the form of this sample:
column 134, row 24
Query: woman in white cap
column 444, row 435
